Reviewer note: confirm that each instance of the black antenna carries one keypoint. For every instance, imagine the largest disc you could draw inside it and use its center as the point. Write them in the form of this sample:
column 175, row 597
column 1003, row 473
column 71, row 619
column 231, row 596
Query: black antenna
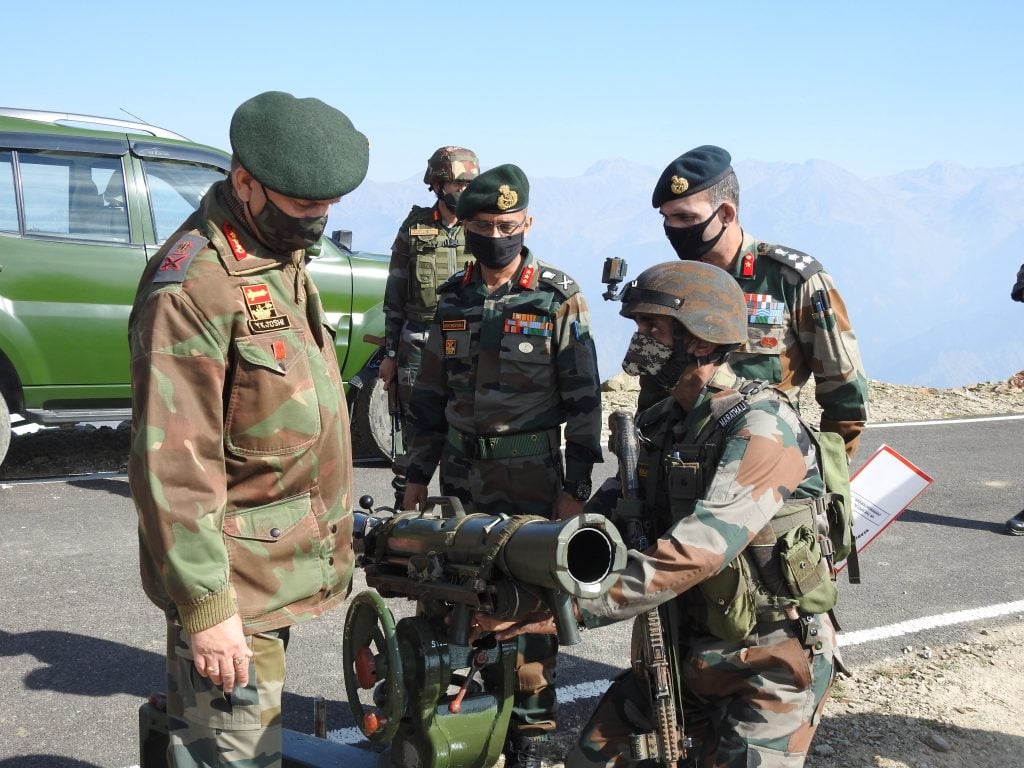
column 131, row 115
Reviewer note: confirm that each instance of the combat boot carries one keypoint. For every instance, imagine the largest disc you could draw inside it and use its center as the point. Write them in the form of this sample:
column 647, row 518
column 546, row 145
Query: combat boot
column 524, row 751
column 1015, row 525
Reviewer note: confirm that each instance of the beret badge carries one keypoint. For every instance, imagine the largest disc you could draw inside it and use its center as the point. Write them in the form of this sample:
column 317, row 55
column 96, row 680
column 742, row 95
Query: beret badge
column 679, row 185
column 507, row 197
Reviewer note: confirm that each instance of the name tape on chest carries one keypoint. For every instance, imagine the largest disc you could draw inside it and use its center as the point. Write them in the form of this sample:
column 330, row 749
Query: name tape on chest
column 263, row 315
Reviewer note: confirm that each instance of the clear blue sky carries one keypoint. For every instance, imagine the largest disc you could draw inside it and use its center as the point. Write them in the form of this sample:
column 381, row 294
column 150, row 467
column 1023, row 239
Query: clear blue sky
column 875, row 87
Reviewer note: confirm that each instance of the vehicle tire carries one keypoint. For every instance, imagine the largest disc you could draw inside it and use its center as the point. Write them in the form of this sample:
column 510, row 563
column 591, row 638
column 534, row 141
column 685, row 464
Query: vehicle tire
column 5, row 428
column 371, row 423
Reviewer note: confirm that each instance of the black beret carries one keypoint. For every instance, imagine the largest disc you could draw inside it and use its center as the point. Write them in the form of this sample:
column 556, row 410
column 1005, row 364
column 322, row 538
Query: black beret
column 299, row 147
column 691, row 172
column 499, row 190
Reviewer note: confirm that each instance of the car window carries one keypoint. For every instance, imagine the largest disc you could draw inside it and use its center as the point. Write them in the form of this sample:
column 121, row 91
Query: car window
column 8, row 207
column 74, row 195
column 175, row 189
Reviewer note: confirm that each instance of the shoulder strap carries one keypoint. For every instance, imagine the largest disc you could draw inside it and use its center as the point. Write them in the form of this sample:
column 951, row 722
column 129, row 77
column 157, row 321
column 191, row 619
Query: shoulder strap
column 557, row 279
column 803, row 264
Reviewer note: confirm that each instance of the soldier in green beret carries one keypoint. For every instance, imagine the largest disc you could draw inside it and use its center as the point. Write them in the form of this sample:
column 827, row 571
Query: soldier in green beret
column 509, row 359
column 797, row 322
column 429, row 248
column 241, row 463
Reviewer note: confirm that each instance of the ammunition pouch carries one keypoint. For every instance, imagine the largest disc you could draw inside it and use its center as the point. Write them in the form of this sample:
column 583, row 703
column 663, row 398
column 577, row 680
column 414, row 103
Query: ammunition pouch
column 731, row 610
column 502, row 446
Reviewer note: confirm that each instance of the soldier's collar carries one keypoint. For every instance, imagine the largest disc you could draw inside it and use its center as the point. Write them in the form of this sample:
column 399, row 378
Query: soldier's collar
column 239, row 250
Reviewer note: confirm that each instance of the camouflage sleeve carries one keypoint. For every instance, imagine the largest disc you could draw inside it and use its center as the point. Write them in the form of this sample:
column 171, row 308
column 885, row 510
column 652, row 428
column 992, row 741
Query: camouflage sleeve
column 176, row 463
column 762, row 464
column 830, row 345
column 579, row 386
column 396, row 291
column 427, row 422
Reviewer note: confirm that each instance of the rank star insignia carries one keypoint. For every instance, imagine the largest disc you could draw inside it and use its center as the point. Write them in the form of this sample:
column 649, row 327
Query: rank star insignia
column 678, row 185
column 800, row 260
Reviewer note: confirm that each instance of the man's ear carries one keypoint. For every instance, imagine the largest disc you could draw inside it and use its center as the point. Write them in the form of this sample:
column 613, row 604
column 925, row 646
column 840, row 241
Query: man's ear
column 242, row 181
column 728, row 213
column 703, row 348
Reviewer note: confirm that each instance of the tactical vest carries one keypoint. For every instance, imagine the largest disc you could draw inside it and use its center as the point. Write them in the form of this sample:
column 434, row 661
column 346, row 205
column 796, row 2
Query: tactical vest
column 435, row 254
column 786, row 563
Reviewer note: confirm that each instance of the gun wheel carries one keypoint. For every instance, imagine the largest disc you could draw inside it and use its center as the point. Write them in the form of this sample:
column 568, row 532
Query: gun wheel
column 371, row 661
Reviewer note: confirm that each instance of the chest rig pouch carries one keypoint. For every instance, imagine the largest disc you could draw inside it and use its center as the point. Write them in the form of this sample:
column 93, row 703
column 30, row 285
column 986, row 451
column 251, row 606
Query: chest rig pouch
column 437, row 254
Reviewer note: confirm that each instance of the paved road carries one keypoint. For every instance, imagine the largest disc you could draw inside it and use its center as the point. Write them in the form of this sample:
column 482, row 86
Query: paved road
column 81, row 647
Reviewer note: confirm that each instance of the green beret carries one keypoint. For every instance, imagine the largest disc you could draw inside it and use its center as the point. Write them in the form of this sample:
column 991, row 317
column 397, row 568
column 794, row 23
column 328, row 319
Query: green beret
column 691, row 172
column 500, row 190
column 299, row 147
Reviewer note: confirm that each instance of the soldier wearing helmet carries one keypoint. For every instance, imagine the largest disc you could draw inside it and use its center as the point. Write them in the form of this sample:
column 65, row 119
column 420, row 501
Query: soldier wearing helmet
column 723, row 537
column 797, row 323
column 430, row 246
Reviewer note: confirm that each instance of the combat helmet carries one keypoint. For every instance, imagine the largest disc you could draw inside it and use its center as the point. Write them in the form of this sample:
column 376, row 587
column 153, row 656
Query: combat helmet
column 451, row 164
column 704, row 299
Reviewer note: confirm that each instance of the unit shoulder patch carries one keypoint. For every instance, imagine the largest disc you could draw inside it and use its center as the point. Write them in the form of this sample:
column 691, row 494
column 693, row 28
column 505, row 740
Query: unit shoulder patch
column 558, row 280
column 803, row 264
column 175, row 262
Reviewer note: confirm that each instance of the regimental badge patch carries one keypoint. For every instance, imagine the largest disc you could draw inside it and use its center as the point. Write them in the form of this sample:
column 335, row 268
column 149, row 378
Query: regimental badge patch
column 172, row 268
column 526, row 324
column 762, row 309
column 261, row 309
column 678, row 185
column 451, row 347
column 453, row 325
column 507, row 197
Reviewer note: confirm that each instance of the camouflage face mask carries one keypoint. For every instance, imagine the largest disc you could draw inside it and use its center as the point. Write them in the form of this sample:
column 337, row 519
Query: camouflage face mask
column 285, row 233
column 646, row 355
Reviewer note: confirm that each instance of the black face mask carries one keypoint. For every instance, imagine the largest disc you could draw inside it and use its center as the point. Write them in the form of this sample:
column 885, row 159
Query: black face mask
column 285, row 233
column 494, row 252
column 689, row 243
column 450, row 199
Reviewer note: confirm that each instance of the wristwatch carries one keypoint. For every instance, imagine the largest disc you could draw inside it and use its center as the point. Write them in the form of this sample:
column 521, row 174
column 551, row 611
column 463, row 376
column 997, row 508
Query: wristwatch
column 580, row 490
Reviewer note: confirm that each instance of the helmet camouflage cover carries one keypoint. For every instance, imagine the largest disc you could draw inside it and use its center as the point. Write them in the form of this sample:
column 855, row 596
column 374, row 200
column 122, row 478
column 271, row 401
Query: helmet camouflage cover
column 451, row 164
column 705, row 300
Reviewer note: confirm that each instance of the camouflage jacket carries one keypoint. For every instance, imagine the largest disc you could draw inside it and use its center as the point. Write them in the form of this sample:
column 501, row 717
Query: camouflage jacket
column 424, row 255
column 519, row 360
column 765, row 459
column 797, row 326
column 241, row 466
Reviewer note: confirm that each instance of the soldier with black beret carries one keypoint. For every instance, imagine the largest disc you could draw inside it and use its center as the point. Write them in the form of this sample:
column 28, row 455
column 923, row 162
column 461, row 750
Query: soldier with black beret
column 241, row 462
column 509, row 359
column 797, row 322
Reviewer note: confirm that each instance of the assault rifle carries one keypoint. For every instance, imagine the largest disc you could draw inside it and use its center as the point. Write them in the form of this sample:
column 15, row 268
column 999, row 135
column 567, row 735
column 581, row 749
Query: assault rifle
column 658, row 663
column 455, row 565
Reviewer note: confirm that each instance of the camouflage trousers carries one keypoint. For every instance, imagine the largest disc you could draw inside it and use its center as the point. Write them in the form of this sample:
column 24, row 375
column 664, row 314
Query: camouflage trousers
column 207, row 728
column 525, row 485
column 754, row 704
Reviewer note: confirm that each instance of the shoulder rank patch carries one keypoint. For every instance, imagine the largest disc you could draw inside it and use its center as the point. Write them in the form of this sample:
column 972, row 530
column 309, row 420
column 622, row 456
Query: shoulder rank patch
column 179, row 256
column 804, row 264
column 526, row 276
column 468, row 273
column 262, row 312
column 565, row 284
column 420, row 230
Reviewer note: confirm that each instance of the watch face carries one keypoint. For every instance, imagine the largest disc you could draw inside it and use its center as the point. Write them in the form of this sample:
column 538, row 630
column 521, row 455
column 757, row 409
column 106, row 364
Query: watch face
column 579, row 490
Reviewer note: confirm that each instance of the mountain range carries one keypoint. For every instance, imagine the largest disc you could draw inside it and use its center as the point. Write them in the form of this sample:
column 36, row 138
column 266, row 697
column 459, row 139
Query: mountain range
column 923, row 258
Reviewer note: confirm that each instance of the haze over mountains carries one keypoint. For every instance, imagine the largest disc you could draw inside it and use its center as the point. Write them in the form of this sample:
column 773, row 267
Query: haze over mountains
column 923, row 258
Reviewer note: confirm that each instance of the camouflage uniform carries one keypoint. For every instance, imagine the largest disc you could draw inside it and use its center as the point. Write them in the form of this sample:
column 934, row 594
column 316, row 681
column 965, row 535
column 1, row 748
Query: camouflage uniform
column 798, row 327
column 240, row 465
column 501, row 372
column 754, row 701
column 425, row 254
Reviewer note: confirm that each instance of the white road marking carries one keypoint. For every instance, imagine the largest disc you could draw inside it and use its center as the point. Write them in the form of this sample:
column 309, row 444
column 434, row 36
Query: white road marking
column 943, row 422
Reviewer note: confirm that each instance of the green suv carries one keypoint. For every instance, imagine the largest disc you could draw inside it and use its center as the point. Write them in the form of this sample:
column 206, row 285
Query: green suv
column 84, row 202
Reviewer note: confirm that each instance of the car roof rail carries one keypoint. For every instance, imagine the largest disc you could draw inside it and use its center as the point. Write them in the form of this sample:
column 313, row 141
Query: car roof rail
column 56, row 118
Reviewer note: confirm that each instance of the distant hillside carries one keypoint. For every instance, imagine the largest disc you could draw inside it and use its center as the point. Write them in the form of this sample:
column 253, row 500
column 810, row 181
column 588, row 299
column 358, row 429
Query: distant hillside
column 923, row 258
